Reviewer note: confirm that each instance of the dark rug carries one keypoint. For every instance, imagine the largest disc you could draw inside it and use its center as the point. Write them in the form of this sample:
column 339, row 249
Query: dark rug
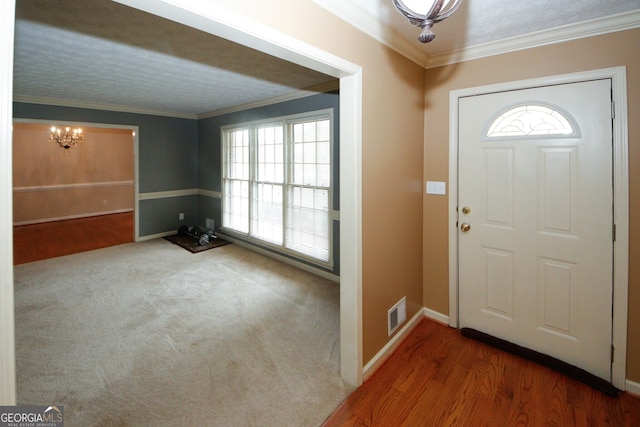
column 191, row 243
column 545, row 360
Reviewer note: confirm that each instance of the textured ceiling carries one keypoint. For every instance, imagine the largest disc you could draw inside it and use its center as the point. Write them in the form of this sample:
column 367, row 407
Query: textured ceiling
column 98, row 52
column 478, row 22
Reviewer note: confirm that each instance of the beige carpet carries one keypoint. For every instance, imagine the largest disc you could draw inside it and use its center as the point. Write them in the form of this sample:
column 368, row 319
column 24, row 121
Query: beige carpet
column 150, row 334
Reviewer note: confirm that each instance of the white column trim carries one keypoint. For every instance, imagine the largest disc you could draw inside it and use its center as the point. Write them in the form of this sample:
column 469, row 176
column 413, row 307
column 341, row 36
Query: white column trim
column 214, row 18
column 7, row 338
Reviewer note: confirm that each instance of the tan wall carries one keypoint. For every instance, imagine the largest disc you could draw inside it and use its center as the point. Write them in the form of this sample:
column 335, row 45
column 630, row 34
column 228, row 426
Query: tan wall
column 51, row 182
column 393, row 95
column 620, row 49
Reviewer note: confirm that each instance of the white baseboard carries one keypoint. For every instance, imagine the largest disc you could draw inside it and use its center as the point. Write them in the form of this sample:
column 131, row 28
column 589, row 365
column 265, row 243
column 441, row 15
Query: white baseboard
column 155, row 236
column 302, row 266
column 434, row 315
column 633, row 388
column 388, row 349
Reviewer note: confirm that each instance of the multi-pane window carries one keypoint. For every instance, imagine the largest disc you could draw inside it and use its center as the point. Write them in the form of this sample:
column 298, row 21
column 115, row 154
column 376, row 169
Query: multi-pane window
column 236, row 182
column 267, row 196
column 283, row 196
column 308, row 188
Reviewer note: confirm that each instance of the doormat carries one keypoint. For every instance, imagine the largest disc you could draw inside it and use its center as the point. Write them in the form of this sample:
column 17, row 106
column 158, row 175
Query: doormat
column 545, row 360
column 191, row 243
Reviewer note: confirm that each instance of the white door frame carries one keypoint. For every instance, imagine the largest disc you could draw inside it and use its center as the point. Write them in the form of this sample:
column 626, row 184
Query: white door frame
column 618, row 78
column 214, row 19
column 7, row 339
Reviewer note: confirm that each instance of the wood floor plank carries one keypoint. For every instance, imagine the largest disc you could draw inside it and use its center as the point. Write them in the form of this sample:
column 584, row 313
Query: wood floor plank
column 438, row 377
column 53, row 239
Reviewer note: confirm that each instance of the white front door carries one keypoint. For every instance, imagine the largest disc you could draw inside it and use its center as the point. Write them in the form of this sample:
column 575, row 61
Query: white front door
column 536, row 200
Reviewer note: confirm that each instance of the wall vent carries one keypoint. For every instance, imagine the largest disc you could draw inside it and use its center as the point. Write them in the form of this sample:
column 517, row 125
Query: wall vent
column 397, row 315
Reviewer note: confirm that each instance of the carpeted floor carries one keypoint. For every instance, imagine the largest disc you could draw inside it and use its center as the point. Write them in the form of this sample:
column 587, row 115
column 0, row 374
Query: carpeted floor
column 148, row 334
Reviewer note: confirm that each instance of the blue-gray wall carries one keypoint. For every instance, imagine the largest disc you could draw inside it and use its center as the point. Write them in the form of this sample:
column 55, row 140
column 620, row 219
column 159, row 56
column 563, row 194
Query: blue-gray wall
column 210, row 152
column 185, row 154
column 167, row 158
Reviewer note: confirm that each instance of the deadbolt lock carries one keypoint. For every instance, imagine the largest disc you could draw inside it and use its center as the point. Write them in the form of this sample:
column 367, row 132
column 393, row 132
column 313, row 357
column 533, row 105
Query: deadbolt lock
column 466, row 210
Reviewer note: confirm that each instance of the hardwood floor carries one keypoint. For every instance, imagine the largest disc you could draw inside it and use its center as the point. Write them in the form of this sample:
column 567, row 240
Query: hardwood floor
column 437, row 377
column 53, row 239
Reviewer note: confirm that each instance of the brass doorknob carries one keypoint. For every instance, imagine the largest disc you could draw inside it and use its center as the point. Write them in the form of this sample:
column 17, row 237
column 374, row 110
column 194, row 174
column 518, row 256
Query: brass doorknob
column 465, row 226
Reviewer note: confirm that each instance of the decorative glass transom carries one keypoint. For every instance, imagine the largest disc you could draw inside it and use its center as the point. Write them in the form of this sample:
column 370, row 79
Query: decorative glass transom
column 532, row 120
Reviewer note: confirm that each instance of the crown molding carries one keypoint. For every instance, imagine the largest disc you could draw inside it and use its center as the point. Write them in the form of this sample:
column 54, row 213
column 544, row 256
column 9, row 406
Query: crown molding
column 354, row 15
column 594, row 27
column 310, row 91
column 313, row 90
column 360, row 19
column 98, row 106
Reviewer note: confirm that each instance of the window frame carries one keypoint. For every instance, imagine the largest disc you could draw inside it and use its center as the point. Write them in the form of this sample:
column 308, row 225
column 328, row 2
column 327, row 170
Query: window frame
column 565, row 115
column 287, row 122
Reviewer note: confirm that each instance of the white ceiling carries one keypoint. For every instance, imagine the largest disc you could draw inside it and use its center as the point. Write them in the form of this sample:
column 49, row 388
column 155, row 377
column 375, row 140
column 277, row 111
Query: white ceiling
column 101, row 53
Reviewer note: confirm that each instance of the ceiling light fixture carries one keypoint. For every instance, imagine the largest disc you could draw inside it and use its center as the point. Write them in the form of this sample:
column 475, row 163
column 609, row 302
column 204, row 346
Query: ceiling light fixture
column 66, row 138
column 425, row 13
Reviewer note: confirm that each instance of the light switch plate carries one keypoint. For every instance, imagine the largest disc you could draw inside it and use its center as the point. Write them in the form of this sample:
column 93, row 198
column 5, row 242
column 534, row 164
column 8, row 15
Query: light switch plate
column 436, row 187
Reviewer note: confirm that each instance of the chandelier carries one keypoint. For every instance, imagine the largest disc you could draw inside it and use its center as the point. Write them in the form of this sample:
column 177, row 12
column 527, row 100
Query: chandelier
column 425, row 13
column 66, row 138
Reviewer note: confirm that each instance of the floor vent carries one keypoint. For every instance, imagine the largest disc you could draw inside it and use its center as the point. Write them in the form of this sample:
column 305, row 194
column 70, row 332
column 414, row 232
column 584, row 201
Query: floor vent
column 397, row 315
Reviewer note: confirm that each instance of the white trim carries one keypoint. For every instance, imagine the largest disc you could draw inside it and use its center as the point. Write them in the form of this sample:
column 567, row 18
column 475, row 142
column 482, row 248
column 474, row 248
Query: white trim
column 298, row 94
column 215, row 19
column 621, row 219
column 7, row 338
column 155, row 236
column 72, row 123
column 77, row 216
column 315, row 90
column 359, row 18
column 351, row 351
column 284, row 259
column 348, row 11
column 386, row 351
column 621, row 197
column 595, row 27
column 210, row 193
column 633, row 388
column 167, row 194
column 99, row 106
column 77, row 186
column 436, row 316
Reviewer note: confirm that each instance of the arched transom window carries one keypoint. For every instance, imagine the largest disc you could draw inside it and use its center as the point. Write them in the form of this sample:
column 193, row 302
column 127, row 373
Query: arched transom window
column 532, row 120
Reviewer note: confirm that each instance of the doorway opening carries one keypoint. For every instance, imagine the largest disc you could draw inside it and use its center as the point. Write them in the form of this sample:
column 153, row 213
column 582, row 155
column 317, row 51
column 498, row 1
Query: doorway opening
column 72, row 200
